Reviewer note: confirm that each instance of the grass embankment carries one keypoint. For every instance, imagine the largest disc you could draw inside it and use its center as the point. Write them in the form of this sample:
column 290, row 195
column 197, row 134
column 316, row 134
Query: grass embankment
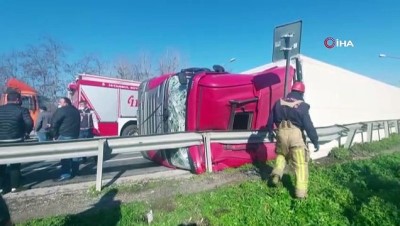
column 357, row 192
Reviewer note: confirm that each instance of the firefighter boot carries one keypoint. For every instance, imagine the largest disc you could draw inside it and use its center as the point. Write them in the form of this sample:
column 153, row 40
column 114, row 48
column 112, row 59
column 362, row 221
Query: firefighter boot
column 277, row 172
column 300, row 162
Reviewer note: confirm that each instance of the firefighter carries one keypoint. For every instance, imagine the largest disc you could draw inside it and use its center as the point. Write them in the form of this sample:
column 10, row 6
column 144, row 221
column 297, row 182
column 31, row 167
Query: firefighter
column 291, row 117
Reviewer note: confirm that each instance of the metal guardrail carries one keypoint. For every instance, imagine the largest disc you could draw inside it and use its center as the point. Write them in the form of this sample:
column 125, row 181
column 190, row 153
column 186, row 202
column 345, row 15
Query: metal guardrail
column 33, row 151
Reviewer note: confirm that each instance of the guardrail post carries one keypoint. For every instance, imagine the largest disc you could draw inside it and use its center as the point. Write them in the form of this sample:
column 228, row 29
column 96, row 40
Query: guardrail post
column 387, row 129
column 350, row 138
column 370, row 130
column 100, row 160
column 362, row 136
column 207, row 152
column 379, row 132
column 396, row 126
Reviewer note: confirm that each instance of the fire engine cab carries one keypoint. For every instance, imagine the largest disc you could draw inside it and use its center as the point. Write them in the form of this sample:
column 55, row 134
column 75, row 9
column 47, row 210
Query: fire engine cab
column 114, row 102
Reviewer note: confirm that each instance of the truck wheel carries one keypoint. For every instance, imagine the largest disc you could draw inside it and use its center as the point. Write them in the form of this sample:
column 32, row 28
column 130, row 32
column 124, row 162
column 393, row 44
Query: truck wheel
column 130, row 130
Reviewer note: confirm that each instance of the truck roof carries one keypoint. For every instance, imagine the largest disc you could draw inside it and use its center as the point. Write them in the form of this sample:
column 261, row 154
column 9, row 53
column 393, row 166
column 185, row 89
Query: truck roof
column 225, row 80
column 20, row 85
column 214, row 79
column 230, row 80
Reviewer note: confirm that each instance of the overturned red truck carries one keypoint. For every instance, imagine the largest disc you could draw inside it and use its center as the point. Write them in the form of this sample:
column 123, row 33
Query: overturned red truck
column 200, row 99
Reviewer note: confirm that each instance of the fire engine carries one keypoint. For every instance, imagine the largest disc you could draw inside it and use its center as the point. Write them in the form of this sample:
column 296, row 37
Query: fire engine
column 200, row 99
column 114, row 102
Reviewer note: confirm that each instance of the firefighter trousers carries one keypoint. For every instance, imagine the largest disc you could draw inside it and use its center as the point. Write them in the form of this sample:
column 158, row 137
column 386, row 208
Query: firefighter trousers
column 291, row 148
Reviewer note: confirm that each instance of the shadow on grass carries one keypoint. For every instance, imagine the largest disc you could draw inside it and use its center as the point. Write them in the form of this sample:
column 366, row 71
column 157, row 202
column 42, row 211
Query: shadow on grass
column 259, row 153
column 106, row 211
column 288, row 184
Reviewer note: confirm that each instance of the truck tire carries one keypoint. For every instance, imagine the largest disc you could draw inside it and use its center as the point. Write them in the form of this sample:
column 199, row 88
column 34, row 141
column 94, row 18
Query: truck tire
column 130, row 130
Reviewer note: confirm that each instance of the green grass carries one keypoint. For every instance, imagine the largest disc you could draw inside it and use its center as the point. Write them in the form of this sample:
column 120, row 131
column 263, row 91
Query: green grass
column 366, row 149
column 362, row 192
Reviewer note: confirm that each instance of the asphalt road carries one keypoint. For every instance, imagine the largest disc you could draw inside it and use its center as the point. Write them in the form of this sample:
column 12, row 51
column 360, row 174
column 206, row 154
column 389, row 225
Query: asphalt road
column 41, row 174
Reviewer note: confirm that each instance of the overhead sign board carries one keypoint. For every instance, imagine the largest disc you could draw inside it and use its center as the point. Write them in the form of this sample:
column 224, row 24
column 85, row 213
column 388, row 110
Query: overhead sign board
column 287, row 37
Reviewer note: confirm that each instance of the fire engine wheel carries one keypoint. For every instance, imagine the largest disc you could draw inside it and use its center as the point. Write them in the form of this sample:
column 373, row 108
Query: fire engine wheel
column 130, row 130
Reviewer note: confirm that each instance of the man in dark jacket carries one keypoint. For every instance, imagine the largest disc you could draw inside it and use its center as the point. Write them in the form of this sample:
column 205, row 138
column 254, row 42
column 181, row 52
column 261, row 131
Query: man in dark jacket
column 5, row 218
column 15, row 124
column 42, row 126
column 66, row 126
column 291, row 116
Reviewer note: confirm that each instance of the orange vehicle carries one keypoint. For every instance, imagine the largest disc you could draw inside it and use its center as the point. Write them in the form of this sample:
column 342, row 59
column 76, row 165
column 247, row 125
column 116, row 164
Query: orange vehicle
column 29, row 96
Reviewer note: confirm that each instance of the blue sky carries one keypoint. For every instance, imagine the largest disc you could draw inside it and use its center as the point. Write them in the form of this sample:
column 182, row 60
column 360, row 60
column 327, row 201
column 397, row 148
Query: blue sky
column 211, row 32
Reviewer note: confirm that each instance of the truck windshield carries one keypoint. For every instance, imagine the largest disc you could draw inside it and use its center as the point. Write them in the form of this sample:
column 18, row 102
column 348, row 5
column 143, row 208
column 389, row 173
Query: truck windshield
column 176, row 108
column 28, row 102
column 44, row 101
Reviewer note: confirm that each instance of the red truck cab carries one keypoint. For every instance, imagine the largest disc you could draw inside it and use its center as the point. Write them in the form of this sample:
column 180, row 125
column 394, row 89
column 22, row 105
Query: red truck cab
column 199, row 99
column 29, row 96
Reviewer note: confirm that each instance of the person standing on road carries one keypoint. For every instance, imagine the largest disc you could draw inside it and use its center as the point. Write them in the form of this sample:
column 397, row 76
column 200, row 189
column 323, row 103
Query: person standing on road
column 88, row 121
column 291, row 116
column 15, row 124
column 66, row 126
column 42, row 126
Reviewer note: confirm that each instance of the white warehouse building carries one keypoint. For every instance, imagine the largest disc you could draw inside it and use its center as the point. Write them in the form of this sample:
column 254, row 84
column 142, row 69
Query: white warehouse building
column 339, row 96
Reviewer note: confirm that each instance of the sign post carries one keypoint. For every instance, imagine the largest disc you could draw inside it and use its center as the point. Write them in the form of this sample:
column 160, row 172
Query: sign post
column 287, row 40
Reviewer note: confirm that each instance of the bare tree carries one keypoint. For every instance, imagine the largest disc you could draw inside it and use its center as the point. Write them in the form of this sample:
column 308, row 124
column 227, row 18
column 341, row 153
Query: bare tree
column 89, row 64
column 142, row 68
column 138, row 69
column 8, row 68
column 43, row 67
column 169, row 62
column 124, row 69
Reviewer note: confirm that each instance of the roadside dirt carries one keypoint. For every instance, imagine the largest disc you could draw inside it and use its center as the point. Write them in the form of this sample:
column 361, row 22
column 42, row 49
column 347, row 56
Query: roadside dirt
column 27, row 207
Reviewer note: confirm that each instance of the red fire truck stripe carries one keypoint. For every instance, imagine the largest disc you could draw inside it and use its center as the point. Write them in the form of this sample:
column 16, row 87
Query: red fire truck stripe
column 98, row 78
column 108, row 128
column 109, row 85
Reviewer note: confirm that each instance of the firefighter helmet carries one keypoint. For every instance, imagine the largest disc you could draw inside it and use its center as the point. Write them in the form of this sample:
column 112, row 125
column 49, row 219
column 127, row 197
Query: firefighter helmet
column 298, row 86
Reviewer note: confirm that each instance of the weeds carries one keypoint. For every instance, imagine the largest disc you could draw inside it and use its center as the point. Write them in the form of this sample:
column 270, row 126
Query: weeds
column 362, row 192
column 366, row 149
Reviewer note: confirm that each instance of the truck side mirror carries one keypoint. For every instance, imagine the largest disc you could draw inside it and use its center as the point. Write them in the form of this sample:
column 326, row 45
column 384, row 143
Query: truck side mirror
column 182, row 78
column 218, row 68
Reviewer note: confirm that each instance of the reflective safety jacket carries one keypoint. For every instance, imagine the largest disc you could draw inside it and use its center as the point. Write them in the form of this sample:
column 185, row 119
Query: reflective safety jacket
column 294, row 109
